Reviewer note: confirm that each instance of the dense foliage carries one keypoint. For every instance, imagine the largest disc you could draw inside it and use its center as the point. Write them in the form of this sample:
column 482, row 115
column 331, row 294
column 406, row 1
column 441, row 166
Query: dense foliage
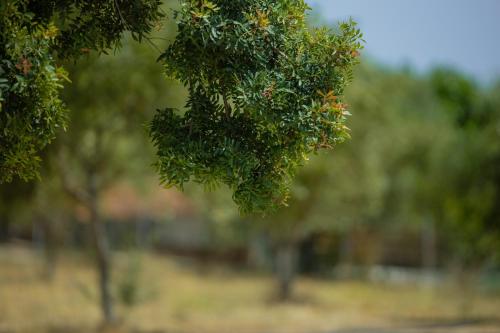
column 471, row 174
column 264, row 92
column 33, row 36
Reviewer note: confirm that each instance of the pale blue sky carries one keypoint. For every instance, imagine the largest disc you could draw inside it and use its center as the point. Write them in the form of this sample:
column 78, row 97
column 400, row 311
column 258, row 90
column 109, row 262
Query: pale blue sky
column 464, row 34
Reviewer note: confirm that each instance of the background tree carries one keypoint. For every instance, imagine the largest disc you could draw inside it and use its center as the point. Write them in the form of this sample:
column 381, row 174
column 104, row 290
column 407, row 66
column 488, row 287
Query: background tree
column 13, row 198
column 395, row 175
column 404, row 134
column 111, row 99
column 291, row 225
column 470, row 211
column 355, row 190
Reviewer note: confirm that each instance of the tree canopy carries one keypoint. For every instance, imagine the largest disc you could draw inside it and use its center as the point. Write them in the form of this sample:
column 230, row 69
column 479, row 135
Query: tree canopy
column 264, row 92
column 34, row 36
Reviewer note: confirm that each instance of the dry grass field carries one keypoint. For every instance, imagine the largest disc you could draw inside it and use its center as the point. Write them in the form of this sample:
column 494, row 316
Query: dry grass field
column 179, row 297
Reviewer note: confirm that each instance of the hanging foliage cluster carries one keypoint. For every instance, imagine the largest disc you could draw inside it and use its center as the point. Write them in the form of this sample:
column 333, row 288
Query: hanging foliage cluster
column 34, row 35
column 265, row 91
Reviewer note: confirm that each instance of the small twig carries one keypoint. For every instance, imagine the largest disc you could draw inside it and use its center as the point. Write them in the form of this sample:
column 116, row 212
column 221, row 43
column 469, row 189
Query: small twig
column 117, row 8
column 227, row 107
column 149, row 40
column 125, row 23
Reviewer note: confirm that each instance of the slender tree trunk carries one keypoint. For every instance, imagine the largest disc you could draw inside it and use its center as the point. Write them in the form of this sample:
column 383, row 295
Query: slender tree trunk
column 346, row 255
column 286, row 260
column 102, row 252
column 429, row 253
column 49, row 247
column 429, row 249
column 4, row 228
column 467, row 278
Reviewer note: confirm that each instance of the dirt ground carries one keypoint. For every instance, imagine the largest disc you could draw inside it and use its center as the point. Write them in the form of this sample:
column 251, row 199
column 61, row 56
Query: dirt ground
column 178, row 296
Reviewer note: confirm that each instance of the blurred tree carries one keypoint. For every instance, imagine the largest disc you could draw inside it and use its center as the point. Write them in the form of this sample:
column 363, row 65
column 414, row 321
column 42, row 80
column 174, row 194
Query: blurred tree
column 346, row 190
column 51, row 211
column 111, row 98
column 370, row 181
column 28, row 205
column 13, row 197
column 406, row 171
column 388, row 177
column 470, row 204
column 437, row 147
column 466, row 187
column 412, row 136
column 291, row 225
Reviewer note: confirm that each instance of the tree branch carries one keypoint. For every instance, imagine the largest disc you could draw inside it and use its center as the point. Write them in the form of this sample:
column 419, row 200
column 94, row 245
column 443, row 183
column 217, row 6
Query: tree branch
column 73, row 191
column 227, row 107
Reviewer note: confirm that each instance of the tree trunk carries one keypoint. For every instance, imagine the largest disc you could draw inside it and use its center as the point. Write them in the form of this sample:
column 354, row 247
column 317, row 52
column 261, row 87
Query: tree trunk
column 345, row 268
column 49, row 247
column 429, row 250
column 4, row 228
column 285, row 270
column 467, row 279
column 103, row 256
